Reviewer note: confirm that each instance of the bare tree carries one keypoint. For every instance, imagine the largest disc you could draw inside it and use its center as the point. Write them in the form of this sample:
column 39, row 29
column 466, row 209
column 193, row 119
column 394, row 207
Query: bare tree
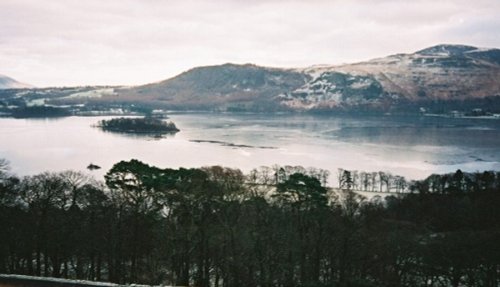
column 265, row 175
column 365, row 180
column 373, row 177
column 400, row 183
column 324, row 175
column 340, row 174
column 4, row 167
column 346, row 181
column 356, row 180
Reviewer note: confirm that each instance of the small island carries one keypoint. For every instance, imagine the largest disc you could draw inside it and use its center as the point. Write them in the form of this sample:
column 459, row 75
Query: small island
column 146, row 125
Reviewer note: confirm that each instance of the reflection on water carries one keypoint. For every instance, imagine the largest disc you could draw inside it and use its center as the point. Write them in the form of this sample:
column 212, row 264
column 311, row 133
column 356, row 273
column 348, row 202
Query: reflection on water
column 411, row 146
column 142, row 136
column 416, row 135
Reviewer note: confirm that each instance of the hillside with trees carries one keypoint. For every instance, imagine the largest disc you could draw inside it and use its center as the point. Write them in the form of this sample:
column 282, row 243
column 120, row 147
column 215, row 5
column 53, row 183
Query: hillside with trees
column 280, row 226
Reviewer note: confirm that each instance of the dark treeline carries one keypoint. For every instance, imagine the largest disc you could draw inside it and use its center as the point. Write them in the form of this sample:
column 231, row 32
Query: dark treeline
column 373, row 181
column 215, row 226
column 40, row 112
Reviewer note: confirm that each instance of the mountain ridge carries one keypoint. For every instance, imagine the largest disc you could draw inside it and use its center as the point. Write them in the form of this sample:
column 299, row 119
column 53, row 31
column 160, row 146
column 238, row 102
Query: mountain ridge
column 230, row 86
column 10, row 83
column 442, row 72
column 437, row 79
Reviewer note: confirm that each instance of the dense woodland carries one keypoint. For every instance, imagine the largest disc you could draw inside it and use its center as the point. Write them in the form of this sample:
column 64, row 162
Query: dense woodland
column 216, row 226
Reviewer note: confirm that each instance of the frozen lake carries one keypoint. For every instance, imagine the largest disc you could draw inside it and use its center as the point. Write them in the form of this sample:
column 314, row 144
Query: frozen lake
column 413, row 147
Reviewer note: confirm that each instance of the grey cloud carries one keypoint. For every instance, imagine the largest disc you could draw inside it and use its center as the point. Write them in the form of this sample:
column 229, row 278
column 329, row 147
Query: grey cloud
column 63, row 42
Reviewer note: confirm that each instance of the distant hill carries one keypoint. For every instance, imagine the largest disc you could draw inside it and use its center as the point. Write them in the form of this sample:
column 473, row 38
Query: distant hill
column 444, row 76
column 223, row 87
column 439, row 74
column 9, row 83
column 437, row 79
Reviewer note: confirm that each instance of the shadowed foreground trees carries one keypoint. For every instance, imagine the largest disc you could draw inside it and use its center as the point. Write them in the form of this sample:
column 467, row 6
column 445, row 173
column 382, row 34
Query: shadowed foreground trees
column 278, row 226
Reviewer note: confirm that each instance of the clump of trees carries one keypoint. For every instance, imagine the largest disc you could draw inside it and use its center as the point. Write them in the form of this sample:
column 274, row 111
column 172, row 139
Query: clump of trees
column 372, row 181
column 279, row 226
column 146, row 125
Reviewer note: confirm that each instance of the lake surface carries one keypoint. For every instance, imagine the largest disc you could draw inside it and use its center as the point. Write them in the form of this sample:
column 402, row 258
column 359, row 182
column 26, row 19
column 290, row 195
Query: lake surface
column 413, row 147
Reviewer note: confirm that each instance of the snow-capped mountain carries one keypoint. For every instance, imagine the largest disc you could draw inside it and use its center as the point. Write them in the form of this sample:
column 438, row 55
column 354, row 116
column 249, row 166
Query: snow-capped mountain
column 440, row 78
column 439, row 73
column 449, row 74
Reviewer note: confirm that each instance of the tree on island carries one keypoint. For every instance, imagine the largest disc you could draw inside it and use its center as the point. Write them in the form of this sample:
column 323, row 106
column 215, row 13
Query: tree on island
column 146, row 125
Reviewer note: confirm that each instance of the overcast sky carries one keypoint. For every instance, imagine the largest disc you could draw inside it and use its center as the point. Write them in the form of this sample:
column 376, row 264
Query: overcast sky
column 128, row 42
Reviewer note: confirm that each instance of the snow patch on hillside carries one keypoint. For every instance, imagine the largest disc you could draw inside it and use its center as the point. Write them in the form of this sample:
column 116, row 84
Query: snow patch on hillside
column 93, row 94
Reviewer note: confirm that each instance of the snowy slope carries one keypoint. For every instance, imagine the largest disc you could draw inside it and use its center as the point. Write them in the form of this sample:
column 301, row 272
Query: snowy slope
column 9, row 83
column 439, row 73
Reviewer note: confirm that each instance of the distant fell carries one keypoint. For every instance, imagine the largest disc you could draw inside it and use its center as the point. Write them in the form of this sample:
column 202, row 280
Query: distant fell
column 223, row 87
column 448, row 75
column 9, row 83
column 444, row 74
column 437, row 79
